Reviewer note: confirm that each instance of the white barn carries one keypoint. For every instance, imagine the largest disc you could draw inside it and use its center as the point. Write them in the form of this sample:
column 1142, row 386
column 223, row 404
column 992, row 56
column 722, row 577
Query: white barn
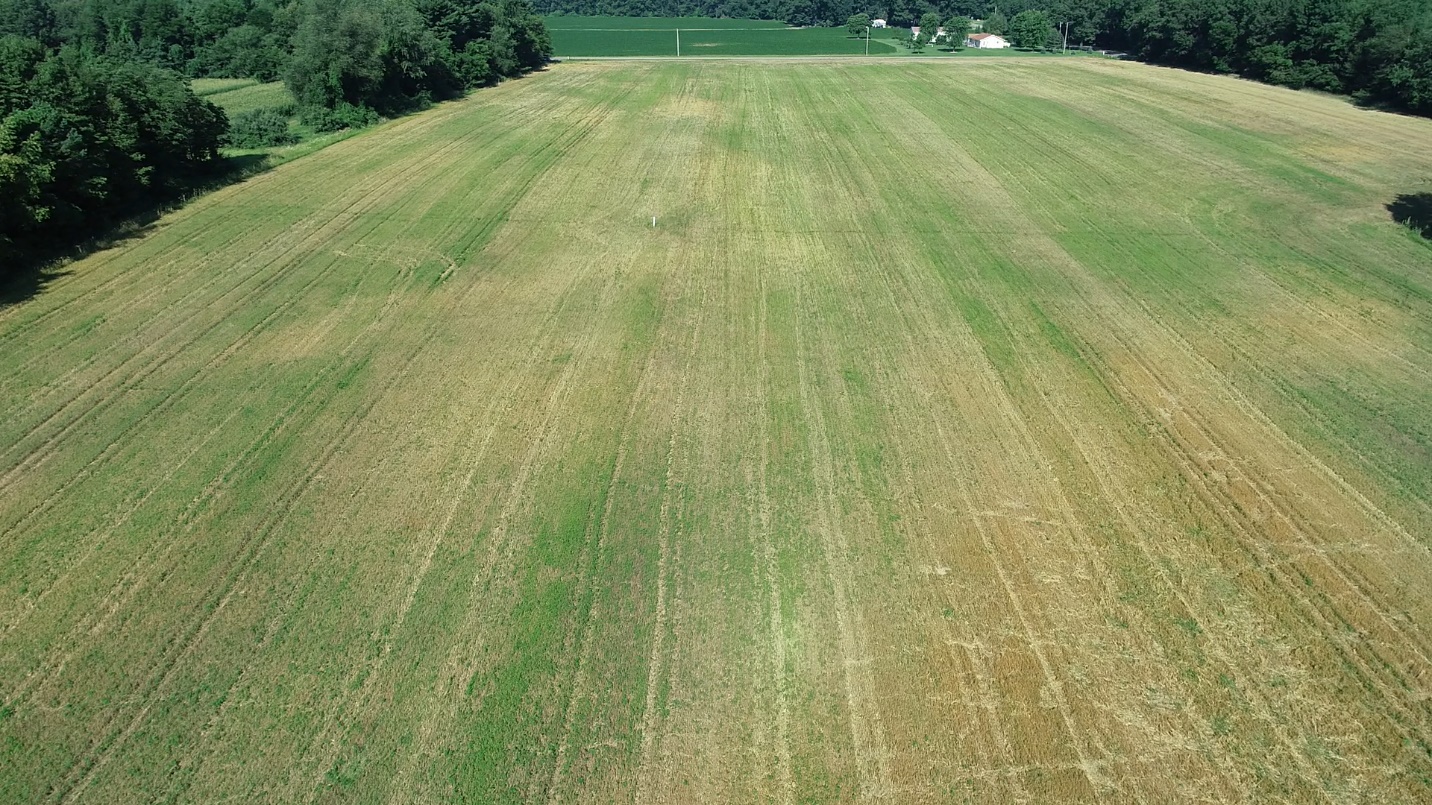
column 986, row 41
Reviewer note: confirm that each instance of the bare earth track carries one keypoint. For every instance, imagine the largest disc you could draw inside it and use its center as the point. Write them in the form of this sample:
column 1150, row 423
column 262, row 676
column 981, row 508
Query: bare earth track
column 1016, row 431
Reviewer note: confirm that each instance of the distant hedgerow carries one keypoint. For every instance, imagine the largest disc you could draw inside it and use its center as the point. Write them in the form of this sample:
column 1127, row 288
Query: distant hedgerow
column 261, row 128
column 343, row 116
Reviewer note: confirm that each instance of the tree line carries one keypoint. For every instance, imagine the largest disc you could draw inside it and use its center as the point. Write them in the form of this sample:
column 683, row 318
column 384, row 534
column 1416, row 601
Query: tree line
column 1378, row 51
column 353, row 59
column 418, row 45
column 86, row 137
column 97, row 118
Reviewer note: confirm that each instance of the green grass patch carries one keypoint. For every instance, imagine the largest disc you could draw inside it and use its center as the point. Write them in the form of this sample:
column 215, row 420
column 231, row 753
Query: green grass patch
column 205, row 87
column 252, row 96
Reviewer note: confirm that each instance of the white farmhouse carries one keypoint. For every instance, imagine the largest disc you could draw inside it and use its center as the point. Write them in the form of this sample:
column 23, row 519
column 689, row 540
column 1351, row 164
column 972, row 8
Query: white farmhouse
column 877, row 23
column 986, row 41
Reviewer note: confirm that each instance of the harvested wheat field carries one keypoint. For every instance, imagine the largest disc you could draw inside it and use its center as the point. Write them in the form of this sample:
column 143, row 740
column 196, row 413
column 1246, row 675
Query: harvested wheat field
column 1016, row 431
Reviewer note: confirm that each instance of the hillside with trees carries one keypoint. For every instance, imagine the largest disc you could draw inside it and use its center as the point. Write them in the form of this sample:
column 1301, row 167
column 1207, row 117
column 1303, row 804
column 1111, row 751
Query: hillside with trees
column 97, row 119
column 1378, row 51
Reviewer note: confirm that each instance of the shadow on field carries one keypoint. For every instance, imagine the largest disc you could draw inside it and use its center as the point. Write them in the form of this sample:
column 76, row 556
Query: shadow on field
column 1414, row 211
column 28, row 267
column 27, row 280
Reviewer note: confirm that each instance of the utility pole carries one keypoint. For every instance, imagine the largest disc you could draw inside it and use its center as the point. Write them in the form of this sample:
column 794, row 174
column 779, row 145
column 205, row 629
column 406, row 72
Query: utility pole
column 867, row 40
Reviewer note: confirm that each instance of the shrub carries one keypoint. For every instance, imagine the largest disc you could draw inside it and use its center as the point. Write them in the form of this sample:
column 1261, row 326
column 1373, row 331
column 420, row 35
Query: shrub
column 261, row 128
column 344, row 116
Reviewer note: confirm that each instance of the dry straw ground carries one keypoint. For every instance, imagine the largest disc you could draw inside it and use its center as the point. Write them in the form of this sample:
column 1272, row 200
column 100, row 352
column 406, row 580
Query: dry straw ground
column 1018, row 431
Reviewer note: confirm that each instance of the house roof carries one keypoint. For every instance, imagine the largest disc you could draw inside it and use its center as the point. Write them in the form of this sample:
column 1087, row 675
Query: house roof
column 978, row 37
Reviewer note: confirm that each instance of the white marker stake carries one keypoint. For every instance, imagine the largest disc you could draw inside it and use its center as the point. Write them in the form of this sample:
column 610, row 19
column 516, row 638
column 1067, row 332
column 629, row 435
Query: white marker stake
column 653, row 222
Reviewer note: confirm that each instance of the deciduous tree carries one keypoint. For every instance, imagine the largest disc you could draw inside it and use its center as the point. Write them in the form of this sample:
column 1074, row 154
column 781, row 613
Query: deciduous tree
column 1030, row 29
column 957, row 30
column 929, row 25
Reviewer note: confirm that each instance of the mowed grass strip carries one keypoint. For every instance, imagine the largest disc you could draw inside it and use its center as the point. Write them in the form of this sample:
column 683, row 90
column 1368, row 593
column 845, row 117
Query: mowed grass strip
column 253, row 96
column 1009, row 431
column 205, row 87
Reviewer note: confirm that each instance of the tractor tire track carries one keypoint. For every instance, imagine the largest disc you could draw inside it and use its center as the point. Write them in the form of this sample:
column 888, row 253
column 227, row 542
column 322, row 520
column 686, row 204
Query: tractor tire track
column 1133, row 525
column 481, row 235
column 577, row 688
column 670, row 522
column 928, row 332
column 767, row 567
column 218, row 197
column 867, row 730
column 553, row 151
column 118, row 443
column 1061, row 262
column 1229, row 509
column 104, row 748
column 1357, row 585
column 495, row 566
column 143, row 568
column 476, row 446
column 178, row 274
column 1186, row 457
column 376, row 190
column 367, row 197
column 99, row 538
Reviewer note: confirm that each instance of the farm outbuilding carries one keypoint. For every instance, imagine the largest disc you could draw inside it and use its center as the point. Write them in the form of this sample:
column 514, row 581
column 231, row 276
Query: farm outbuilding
column 986, row 41
column 877, row 23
